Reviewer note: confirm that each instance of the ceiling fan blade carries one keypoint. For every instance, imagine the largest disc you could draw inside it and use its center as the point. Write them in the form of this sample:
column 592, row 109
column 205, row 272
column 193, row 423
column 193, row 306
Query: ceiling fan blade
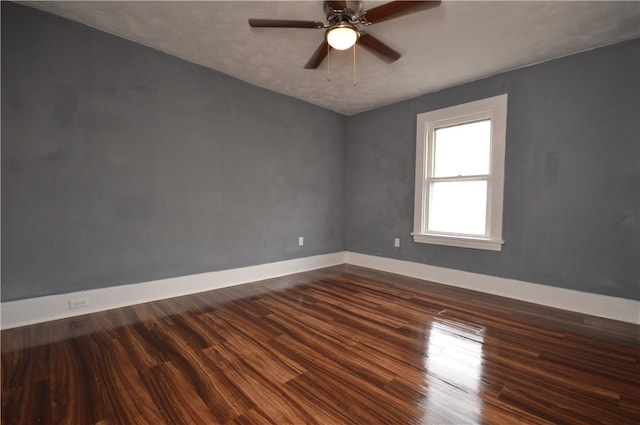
column 376, row 46
column 395, row 9
column 318, row 56
column 284, row 23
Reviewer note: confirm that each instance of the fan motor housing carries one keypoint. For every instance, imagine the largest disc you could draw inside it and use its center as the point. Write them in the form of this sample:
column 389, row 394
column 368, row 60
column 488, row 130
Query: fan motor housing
column 350, row 13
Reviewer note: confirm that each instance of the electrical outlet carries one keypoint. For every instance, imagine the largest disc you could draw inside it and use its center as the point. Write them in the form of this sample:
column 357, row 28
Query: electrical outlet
column 300, row 240
column 78, row 303
column 396, row 242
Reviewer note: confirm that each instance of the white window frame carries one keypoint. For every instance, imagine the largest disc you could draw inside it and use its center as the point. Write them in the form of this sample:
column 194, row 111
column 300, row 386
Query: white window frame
column 493, row 108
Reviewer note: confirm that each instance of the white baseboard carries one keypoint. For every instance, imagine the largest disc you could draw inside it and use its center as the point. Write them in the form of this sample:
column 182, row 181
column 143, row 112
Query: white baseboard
column 53, row 307
column 583, row 302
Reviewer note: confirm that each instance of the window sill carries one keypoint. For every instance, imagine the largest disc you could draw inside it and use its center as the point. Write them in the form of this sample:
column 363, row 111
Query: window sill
column 459, row 241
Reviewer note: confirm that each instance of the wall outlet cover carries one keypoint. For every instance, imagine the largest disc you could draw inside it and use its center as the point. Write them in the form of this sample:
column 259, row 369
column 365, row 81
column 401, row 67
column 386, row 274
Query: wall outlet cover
column 78, row 303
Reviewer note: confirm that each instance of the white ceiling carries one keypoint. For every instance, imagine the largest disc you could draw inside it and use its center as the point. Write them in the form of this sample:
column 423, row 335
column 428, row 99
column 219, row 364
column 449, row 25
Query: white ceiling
column 442, row 47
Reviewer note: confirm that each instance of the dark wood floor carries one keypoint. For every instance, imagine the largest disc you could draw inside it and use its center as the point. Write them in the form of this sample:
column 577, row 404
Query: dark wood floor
column 343, row 345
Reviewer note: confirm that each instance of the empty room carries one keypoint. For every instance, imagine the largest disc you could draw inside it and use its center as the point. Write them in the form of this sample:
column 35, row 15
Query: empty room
column 308, row 212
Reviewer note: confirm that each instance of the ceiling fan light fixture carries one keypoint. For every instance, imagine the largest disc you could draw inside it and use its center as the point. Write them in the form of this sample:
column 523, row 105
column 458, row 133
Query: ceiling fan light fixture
column 342, row 36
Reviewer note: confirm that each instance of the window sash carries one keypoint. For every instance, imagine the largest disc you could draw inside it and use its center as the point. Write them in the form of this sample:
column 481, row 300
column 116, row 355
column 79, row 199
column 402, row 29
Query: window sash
column 429, row 182
column 430, row 178
column 434, row 142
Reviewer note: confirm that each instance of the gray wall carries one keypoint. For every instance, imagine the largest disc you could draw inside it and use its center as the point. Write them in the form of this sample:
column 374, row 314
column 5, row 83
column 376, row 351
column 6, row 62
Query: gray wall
column 572, row 184
column 121, row 164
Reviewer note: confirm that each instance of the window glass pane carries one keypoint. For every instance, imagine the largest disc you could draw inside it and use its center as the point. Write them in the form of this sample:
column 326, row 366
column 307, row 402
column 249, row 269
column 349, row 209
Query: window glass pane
column 462, row 150
column 458, row 207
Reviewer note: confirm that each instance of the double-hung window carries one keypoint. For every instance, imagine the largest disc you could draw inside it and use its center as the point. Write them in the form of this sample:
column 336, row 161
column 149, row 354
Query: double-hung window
column 460, row 175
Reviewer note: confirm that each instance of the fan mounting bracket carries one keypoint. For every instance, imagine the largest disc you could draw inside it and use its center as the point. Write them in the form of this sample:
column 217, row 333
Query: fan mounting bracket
column 343, row 12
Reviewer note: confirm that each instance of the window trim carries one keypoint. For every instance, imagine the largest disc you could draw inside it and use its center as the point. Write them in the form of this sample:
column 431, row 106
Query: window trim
column 493, row 108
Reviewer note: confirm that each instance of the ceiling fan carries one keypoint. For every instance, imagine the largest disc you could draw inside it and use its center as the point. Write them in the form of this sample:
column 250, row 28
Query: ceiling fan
column 344, row 19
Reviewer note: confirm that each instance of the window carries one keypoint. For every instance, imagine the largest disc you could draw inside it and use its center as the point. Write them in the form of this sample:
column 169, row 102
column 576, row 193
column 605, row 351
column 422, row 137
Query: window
column 460, row 175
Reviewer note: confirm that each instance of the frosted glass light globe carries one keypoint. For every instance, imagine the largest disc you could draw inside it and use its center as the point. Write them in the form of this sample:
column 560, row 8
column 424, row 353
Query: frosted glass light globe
column 341, row 38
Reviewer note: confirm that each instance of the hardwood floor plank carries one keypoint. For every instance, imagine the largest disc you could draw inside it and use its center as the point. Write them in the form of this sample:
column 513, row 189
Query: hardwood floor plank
column 339, row 400
column 175, row 397
column 251, row 417
column 73, row 385
column 122, row 393
column 268, row 396
column 362, row 387
column 14, row 411
column 339, row 346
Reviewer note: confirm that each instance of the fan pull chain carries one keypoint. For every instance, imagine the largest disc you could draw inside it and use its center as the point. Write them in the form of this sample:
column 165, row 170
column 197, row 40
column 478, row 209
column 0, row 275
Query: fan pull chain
column 354, row 64
column 328, row 62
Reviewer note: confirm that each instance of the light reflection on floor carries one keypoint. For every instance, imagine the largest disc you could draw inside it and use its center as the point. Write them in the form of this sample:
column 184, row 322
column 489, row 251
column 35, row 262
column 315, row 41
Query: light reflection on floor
column 454, row 371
